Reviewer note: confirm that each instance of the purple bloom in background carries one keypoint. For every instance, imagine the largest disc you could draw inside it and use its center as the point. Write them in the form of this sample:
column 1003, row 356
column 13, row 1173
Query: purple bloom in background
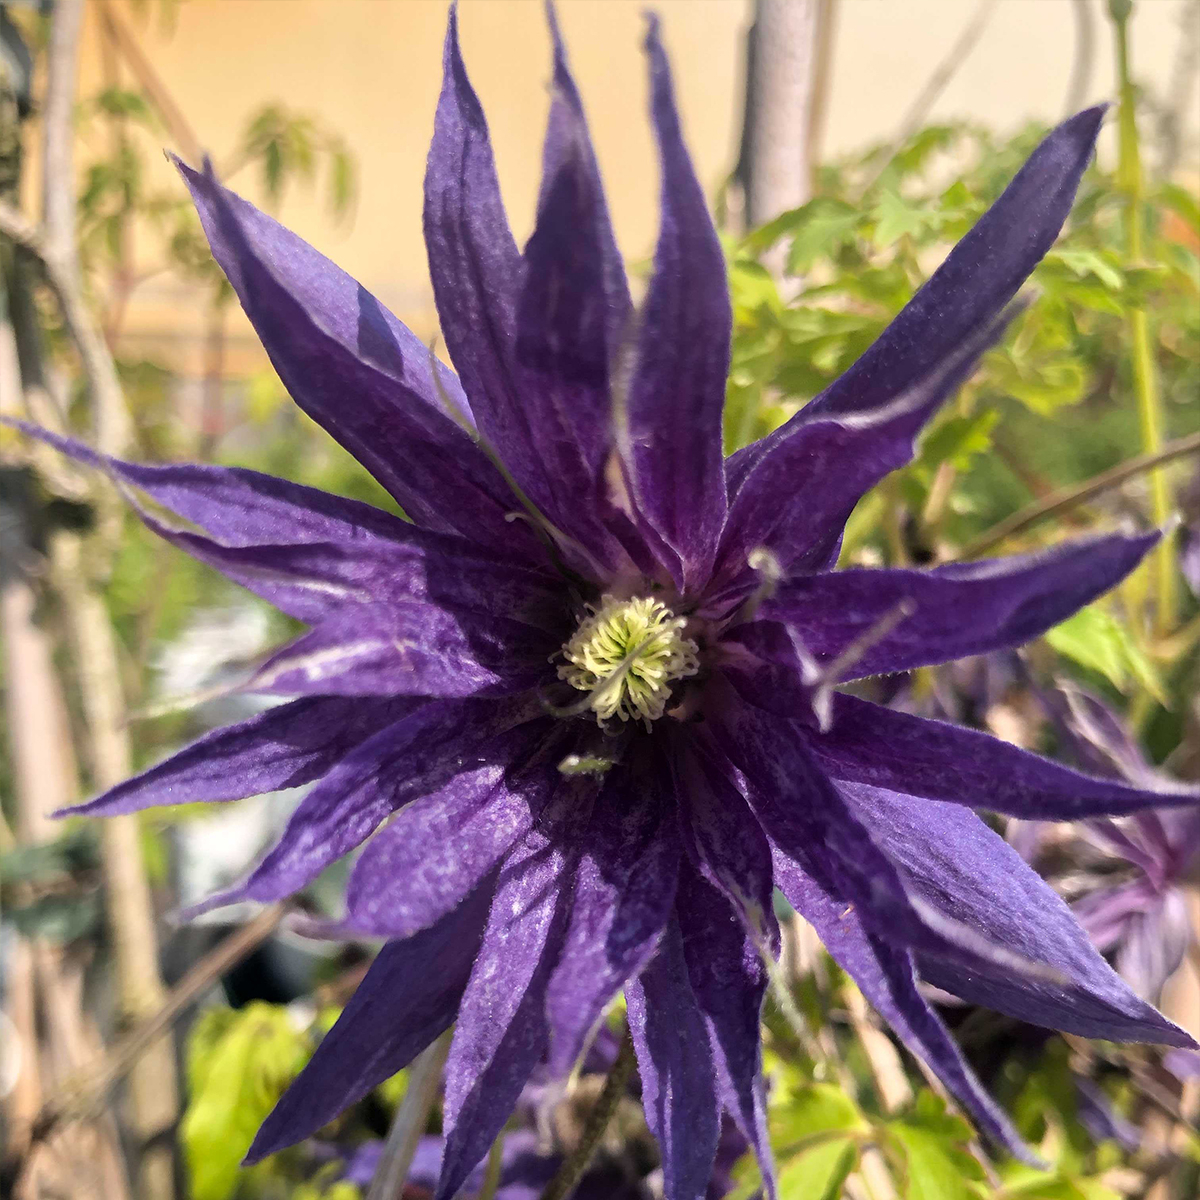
column 580, row 708
column 1126, row 886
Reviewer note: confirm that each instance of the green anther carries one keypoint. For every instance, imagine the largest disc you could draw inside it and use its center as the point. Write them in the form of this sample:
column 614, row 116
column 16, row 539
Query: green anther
column 627, row 654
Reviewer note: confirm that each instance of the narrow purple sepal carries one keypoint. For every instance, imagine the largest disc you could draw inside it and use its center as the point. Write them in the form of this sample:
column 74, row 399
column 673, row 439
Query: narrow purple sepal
column 436, row 849
column 329, row 338
column 284, row 747
column 670, row 1038
column 407, row 648
column 409, row 997
column 672, row 417
column 969, row 874
column 955, row 611
column 622, row 894
column 415, row 756
column 867, row 743
column 963, row 298
column 884, row 973
column 729, row 981
column 502, row 1030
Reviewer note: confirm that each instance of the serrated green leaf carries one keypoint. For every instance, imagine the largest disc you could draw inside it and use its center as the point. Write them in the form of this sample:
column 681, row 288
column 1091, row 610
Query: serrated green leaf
column 815, row 1109
column 896, row 217
column 818, row 230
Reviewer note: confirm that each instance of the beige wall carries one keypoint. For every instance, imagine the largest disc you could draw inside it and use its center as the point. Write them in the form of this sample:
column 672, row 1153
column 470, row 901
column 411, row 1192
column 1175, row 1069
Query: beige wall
column 370, row 69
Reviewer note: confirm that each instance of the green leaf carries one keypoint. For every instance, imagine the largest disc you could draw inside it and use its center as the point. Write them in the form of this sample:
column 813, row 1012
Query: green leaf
column 818, row 1108
column 822, row 226
column 238, row 1066
column 936, row 1167
column 895, row 218
column 819, row 1172
column 1095, row 639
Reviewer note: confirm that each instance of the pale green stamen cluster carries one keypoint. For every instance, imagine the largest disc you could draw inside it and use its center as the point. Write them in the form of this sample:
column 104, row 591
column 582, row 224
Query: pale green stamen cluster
column 627, row 654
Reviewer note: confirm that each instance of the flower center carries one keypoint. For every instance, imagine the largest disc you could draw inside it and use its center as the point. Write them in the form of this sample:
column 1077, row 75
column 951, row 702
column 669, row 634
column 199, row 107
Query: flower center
column 627, row 654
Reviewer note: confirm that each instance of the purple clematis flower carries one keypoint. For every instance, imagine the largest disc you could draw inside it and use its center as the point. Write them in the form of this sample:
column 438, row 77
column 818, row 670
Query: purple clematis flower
column 1126, row 880
column 580, row 707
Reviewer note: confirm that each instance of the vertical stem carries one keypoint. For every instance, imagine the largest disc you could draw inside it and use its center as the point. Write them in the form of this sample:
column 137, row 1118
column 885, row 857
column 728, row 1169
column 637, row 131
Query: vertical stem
column 1131, row 181
column 410, row 1120
column 577, row 1162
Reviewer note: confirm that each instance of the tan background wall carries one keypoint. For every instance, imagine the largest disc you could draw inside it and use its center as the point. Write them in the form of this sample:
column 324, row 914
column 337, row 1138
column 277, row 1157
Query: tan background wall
column 370, row 69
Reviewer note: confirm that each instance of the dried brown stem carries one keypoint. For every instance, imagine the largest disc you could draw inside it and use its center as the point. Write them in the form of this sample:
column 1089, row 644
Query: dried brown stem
column 88, row 1095
column 1068, row 498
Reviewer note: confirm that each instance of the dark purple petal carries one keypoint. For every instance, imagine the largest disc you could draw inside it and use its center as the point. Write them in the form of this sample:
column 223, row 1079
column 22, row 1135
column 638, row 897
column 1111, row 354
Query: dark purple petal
column 884, row 973
column 240, row 507
column 967, row 608
column 729, row 981
column 672, row 417
column 574, row 302
column 502, row 1031
column 356, row 371
column 436, row 849
column 963, row 870
column 965, row 296
column 411, row 758
column 670, row 1037
column 802, row 812
column 284, row 747
column 795, row 498
column 410, row 995
column 870, row 744
column 412, row 648
column 623, row 889
column 478, row 279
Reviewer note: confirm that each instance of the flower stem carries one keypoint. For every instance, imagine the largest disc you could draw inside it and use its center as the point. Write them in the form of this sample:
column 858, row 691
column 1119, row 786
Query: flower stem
column 578, row 1160
column 1131, row 181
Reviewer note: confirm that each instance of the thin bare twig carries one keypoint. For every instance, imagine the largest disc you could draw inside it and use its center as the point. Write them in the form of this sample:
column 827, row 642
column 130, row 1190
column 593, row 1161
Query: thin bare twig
column 1067, row 498
column 410, row 1120
column 88, row 1096
column 920, row 108
column 1080, row 81
column 577, row 1162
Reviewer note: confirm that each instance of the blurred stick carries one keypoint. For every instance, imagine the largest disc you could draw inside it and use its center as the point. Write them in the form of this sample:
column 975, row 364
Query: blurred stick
column 410, row 1121
column 1067, row 498
column 152, row 1084
column 89, row 1093
column 1080, row 82
column 927, row 97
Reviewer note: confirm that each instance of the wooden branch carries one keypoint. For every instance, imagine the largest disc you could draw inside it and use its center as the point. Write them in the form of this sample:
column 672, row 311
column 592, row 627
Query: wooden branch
column 89, row 1095
column 1069, row 497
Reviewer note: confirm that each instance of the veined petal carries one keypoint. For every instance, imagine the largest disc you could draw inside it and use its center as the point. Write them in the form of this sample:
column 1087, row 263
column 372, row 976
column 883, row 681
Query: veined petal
column 574, row 304
column 884, row 974
column 623, row 890
column 437, row 848
column 502, row 1030
column 670, row 1038
column 409, row 997
column 672, row 413
column 407, row 648
column 961, row 303
column 800, row 809
column 237, row 506
column 329, row 339
column 284, row 747
column 867, row 743
column 794, row 498
column 729, row 981
column 971, row 875
column 410, row 758
column 955, row 611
